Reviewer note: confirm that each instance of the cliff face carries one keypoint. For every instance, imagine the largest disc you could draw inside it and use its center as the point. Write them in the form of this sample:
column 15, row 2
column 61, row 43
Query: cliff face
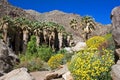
column 7, row 9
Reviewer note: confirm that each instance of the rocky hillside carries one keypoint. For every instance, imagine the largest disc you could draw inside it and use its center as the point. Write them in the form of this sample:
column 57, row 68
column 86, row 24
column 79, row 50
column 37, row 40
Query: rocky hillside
column 64, row 19
column 7, row 9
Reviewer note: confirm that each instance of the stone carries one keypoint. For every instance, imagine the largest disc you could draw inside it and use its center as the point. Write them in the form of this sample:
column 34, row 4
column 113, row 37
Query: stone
column 67, row 76
column 7, row 58
column 50, row 76
column 68, row 49
column 118, row 51
column 118, row 62
column 79, row 46
column 39, row 75
column 115, row 16
column 17, row 74
column 115, row 34
column 115, row 72
column 57, row 73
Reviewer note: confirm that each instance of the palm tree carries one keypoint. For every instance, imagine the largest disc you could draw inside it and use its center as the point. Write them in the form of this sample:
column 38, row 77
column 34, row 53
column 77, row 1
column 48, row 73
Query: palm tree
column 37, row 33
column 60, row 37
column 88, row 25
column 5, row 24
column 73, row 24
column 22, row 25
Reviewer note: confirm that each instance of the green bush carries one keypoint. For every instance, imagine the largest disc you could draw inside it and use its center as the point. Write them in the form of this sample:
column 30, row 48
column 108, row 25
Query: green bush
column 89, row 64
column 45, row 52
column 55, row 61
column 31, row 46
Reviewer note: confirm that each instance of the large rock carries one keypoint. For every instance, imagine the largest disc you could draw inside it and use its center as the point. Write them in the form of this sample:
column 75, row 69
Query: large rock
column 115, row 16
column 115, row 73
column 17, row 74
column 68, row 49
column 67, row 76
column 57, row 74
column 7, row 59
column 79, row 46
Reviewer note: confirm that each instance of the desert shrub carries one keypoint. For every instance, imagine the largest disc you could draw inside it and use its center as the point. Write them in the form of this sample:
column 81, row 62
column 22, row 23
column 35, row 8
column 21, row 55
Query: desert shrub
column 55, row 61
column 95, row 42
column 45, row 52
column 110, row 41
column 67, row 55
column 90, row 65
column 62, row 51
column 32, row 64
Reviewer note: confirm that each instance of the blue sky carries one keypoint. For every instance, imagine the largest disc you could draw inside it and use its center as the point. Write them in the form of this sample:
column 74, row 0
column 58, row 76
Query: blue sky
column 99, row 9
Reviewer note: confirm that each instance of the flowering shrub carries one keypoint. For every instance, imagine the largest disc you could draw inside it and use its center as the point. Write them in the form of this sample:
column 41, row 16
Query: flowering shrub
column 55, row 61
column 95, row 41
column 90, row 65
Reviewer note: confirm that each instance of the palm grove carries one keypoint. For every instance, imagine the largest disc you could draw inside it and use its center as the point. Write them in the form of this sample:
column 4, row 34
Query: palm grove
column 16, row 34
column 87, row 24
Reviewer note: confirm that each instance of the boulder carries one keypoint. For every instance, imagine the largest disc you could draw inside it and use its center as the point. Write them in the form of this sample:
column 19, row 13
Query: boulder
column 115, row 16
column 79, row 46
column 115, row 34
column 68, row 49
column 50, row 76
column 17, row 74
column 67, row 76
column 7, row 59
column 57, row 73
column 118, row 51
column 40, row 75
column 115, row 72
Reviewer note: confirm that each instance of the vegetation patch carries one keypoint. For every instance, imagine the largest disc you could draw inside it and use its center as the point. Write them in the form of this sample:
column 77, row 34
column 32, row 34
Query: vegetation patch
column 95, row 42
column 90, row 65
column 55, row 61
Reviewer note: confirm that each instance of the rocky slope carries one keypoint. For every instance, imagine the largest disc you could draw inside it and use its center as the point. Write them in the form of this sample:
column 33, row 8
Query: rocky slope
column 7, row 9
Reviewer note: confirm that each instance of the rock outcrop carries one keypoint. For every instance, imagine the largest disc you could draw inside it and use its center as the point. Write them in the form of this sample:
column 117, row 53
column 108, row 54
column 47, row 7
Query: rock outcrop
column 7, row 9
column 17, row 74
column 67, row 76
column 7, row 59
column 115, row 16
column 79, row 46
column 57, row 74
column 115, row 73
